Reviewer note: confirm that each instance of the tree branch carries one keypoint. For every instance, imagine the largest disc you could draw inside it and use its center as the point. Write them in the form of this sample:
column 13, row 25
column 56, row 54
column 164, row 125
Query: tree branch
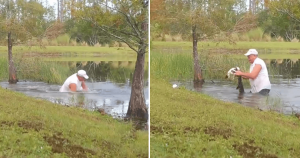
column 285, row 11
column 113, row 35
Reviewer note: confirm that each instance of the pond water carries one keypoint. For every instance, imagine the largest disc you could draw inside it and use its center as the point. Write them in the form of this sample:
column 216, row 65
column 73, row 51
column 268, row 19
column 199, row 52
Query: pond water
column 109, row 87
column 284, row 96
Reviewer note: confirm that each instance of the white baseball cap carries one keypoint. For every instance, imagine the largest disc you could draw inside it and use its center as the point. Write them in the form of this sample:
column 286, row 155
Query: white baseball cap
column 82, row 73
column 251, row 51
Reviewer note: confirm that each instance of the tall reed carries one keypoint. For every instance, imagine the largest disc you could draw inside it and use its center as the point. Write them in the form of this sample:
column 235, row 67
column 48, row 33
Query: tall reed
column 35, row 69
column 180, row 65
column 171, row 66
column 38, row 70
column 3, row 69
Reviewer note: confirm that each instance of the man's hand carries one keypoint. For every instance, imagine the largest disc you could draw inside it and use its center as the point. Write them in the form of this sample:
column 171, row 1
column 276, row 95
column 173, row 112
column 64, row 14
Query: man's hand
column 238, row 73
column 84, row 87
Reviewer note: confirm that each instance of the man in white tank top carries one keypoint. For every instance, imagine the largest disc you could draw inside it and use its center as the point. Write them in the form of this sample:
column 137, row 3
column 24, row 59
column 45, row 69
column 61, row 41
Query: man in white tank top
column 75, row 82
column 258, row 76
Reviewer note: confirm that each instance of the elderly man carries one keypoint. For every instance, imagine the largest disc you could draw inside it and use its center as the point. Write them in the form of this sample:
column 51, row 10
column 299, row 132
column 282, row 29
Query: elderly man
column 75, row 82
column 258, row 76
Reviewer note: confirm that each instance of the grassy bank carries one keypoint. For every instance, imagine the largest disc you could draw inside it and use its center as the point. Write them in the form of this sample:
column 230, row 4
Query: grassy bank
column 226, row 45
column 68, row 49
column 37, row 128
column 267, row 50
column 189, row 124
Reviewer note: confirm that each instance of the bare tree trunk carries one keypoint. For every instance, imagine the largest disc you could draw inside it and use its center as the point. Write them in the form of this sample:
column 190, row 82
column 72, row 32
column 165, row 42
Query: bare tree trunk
column 58, row 10
column 12, row 71
column 198, row 86
column 106, row 6
column 197, row 68
column 62, row 10
column 137, row 108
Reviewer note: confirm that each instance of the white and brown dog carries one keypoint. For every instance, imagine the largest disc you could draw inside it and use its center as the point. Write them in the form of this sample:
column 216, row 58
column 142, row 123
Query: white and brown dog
column 240, row 86
column 230, row 73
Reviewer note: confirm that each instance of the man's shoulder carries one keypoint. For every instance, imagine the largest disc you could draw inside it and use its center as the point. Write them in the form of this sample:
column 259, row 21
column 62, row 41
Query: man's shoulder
column 72, row 77
column 259, row 61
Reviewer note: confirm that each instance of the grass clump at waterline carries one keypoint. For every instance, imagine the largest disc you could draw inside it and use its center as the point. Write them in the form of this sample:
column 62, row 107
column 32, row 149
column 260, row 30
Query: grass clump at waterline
column 180, row 66
column 189, row 124
column 266, row 50
column 36, row 69
column 3, row 68
column 38, row 128
column 226, row 45
column 68, row 49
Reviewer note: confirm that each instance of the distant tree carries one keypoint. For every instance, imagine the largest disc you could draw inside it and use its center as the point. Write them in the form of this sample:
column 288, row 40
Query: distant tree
column 284, row 18
column 21, row 21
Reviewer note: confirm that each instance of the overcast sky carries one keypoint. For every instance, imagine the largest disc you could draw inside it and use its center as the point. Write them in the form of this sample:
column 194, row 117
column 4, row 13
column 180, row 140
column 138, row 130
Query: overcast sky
column 50, row 2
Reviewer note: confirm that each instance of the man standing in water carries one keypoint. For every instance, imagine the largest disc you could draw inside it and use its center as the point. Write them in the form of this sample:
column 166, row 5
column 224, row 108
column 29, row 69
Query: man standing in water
column 75, row 82
column 258, row 76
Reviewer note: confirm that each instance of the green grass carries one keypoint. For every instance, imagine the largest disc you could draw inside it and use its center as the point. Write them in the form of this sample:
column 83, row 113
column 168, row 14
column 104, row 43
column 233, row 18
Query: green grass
column 37, row 128
column 35, row 69
column 267, row 50
column 189, row 124
column 226, row 45
column 39, row 70
column 179, row 66
column 91, row 58
column 255, row 34
column 63, row 40
column 68, row 49
column 3, row 68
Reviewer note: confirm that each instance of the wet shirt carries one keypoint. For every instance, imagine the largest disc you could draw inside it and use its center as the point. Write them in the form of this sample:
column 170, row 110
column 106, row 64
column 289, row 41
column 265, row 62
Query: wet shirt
column 262, row 80
column 71, row 79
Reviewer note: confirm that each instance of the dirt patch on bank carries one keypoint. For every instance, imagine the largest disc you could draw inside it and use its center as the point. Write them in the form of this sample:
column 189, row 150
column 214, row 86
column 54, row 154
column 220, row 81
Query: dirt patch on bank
column 154, row 129
column 63, row 145
column 24, row 124
column 249, row 150
column 215, row 131
column 191, row 129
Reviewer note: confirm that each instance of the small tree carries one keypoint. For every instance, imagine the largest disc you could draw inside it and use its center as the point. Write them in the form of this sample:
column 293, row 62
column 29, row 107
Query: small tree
column 202, row 19
column 124, row 21
column 21, row 21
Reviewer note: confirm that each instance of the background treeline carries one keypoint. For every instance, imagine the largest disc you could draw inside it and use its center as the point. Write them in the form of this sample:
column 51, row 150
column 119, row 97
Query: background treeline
column 36, row 22
column 220, row 20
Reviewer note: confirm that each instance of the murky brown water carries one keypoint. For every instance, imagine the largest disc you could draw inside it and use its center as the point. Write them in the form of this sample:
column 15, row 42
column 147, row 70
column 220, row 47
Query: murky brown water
column 284, row 96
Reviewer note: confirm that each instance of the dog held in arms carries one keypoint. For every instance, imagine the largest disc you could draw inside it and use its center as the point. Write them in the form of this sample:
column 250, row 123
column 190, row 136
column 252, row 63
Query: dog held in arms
column 240, row 83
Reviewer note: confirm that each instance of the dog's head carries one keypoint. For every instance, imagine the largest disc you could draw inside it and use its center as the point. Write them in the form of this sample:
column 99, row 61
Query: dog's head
column 232, row 71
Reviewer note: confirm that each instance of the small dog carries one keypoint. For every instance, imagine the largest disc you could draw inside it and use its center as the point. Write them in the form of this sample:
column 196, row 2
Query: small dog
column 231, row 72
column 240, row 86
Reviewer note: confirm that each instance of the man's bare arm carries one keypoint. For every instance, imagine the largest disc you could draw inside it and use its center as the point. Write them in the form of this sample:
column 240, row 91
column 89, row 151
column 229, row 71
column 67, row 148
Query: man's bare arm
column 251, row 75
column 73, row 87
